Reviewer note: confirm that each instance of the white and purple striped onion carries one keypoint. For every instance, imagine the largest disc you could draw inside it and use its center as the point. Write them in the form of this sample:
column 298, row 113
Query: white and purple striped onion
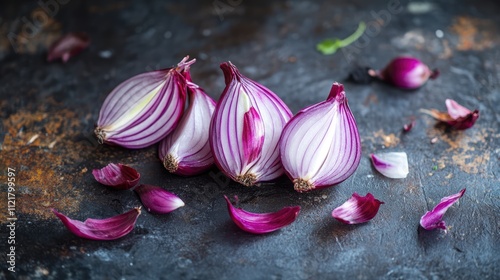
column 186, row 151
column 245, row 129
column 143, row 109
column 320, row 146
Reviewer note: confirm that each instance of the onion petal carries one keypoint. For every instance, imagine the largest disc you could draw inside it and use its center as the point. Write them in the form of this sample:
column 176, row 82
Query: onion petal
column 357, row 209
column 259, row 223
column 106, row 229
column 434, row 219
column 68, row 46
column 157, row 200
column 392, row 165
column 118, row 176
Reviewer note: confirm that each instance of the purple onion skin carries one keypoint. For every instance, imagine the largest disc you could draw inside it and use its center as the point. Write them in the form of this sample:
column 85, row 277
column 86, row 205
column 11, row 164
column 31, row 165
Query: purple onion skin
column 407, row 73
column 68, row 46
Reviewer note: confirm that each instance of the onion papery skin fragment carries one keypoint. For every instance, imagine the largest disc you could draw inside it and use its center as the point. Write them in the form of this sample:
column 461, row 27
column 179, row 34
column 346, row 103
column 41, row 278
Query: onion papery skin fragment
column 245, row 129
column 143, row 109
column 320, row 146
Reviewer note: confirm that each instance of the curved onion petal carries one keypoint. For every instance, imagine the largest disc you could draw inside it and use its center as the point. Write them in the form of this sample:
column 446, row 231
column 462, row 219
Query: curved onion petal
column 259, row 223
column 68, row 46
column 186, row 151
column 245, row 129
column 143, row 109
column 406, row 72
column 158, row 200
column 434, row 219
column 320, row 146
column 392, row 165
column 106, row 229
column 118, row 176
column 357, row 209
column 458, row 117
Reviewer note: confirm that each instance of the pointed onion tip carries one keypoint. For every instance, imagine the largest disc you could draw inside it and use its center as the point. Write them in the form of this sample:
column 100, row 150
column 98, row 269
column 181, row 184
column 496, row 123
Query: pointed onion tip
column 392, row 165
column 434, row 219
column 118, row 176
column 259, row 223
column 357, row 209
column 105, row 229
column 157, row 200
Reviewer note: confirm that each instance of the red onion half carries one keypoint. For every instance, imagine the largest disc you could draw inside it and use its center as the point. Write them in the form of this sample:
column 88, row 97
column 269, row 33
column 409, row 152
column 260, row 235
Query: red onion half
column 245, row 129
column 320, row 146
column 143, row 109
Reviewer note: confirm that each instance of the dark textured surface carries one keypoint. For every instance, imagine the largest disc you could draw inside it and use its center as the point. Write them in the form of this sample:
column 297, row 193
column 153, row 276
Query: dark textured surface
column 275, row 45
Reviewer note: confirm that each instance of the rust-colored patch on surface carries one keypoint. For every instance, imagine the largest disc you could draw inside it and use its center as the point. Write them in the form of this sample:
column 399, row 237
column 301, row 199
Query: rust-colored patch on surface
column 469, row 152
column 474, row 33
column 45, row 177
column 388, row 140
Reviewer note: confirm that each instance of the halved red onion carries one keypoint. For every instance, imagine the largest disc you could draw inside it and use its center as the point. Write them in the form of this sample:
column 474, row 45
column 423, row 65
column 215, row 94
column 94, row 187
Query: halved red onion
column 434, row 219
column 245, row 129
column 118, row 176
column 458, row 117
column 157, row 200
column 68, row 46
column 393, row 165
column 407, row 72
column 259, row 223
column 106, row 229
column 186, row 151
column 320, row 146
column 144, row 109
column 357, row 209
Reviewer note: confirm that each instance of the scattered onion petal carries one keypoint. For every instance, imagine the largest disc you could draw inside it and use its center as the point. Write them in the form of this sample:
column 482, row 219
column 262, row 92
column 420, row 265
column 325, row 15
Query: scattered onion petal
column 157, row 200
column 118, row 176
column 357, row 209
column 106, row 229
column 434, row 219
column 68, row 46
column 259, row 223
column 392, row 165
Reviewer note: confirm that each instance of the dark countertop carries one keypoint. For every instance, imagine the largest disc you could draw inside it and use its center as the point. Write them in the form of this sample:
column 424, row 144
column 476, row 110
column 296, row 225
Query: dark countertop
column 274, row 44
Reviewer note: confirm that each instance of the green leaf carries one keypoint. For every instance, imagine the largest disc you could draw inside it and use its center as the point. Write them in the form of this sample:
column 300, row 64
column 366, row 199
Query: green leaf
column 330, row 46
